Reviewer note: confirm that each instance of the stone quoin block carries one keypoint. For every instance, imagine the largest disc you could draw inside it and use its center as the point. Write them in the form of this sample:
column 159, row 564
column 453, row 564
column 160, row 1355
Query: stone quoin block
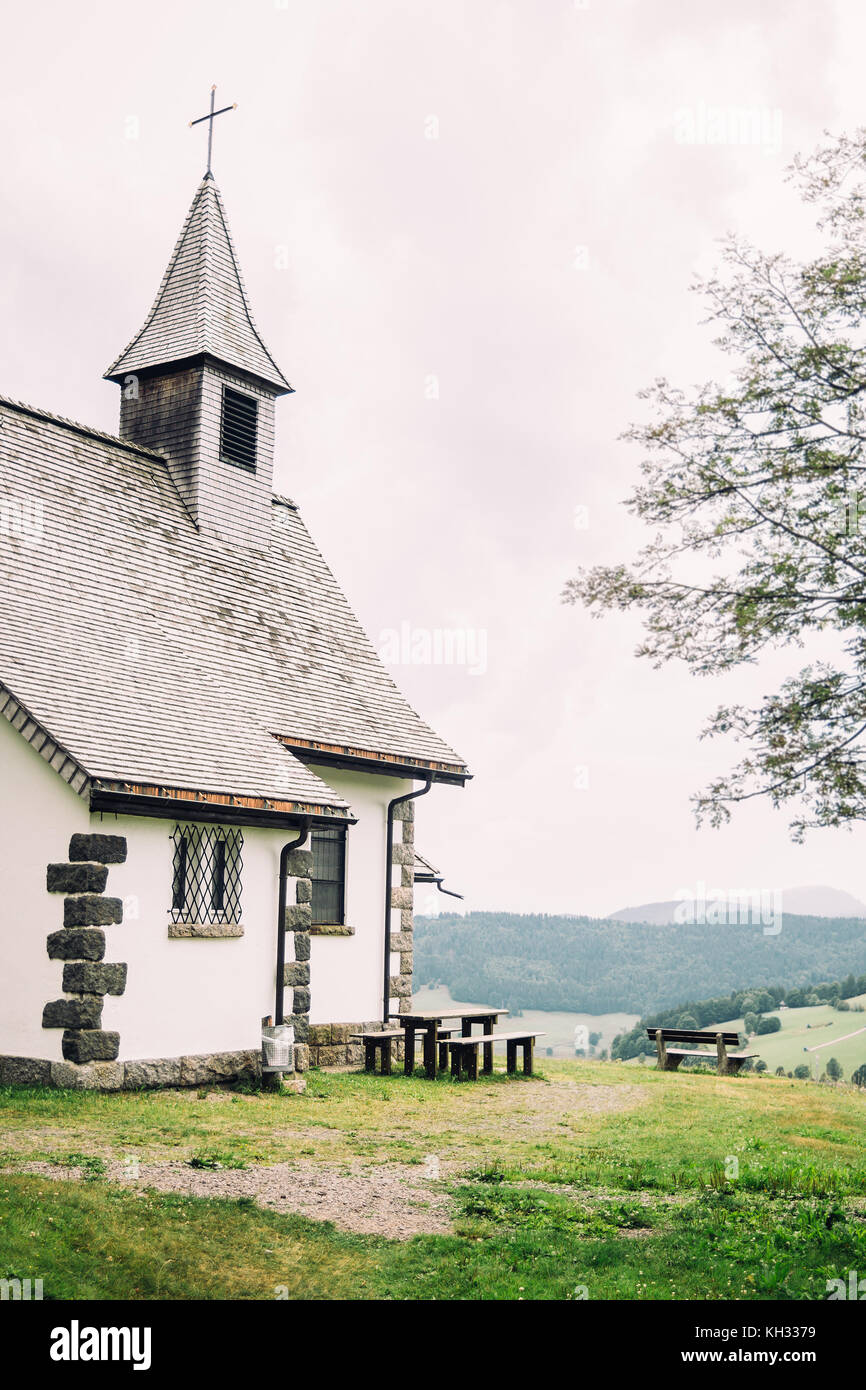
column 402, row 898
column 90, row 1045
column 300, row 863
column 408, row 833
column 401, row 941
column 299, row 917
column 103, row 849
column 302, row 1057
column 406, row 962
column 301, row 1027
column 404, row 810
column 76, row 943
column 407, row 876
column 304, row 890
column 88, row 911
column 297, row 973
column 302, row 945
column 403, row 854
column 401, row 988
column 76, row 878
column 85, row 1012
column 301, row 1001
column 86, row 977
column 407, row 920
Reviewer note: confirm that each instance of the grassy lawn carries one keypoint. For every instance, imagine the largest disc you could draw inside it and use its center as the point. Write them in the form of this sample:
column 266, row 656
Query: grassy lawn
column 588, row 1176
column 817, row 1027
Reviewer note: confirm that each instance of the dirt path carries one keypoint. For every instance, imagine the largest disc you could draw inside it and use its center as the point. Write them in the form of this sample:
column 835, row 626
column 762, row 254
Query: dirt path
column 394, row 1200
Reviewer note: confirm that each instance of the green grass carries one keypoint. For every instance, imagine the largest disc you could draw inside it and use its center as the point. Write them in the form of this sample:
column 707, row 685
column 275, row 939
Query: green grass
column 819, row 1026
column 589, row 1175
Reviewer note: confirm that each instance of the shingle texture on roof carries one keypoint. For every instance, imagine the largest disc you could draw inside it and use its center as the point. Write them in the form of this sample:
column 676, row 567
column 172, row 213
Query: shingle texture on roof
column 202, row 306
column 155, row 654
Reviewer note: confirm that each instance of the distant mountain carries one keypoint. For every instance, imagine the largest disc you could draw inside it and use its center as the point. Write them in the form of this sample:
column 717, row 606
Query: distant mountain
column 814, row 900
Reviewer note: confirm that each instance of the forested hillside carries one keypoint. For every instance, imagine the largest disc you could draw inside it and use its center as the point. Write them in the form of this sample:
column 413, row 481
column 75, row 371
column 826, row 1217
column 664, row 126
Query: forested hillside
column 591, row 965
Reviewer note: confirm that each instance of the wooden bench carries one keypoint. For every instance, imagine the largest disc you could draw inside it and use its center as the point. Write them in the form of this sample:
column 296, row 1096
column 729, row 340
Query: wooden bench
column 378, row 1042
column 670, row 1057
column 464, row 1052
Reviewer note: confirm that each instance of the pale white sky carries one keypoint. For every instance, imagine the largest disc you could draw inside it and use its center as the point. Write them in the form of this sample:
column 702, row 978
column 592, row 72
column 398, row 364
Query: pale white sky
column 534, row 258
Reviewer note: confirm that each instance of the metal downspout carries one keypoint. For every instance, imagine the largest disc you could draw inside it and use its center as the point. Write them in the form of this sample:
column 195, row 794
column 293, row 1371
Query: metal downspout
column 389, row 853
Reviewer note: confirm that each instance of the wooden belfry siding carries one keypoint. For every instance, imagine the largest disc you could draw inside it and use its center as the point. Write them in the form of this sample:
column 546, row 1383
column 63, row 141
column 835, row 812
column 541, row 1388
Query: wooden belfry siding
column 178, row 414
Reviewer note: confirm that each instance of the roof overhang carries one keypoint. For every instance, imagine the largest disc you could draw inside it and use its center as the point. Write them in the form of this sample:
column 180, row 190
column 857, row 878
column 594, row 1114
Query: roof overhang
column 179, row 803
column 366, row 760
column 198, row 359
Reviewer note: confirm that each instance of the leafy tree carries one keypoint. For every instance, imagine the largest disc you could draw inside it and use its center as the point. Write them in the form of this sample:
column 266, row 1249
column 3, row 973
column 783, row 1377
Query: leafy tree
column 834, row 1070
column 780, row 1071
column 755, row 490
column 769, row 1025
column 802, row 1072
column 760, row 1065
column 687, row 1020
column 859, row 1076
column 750, row 1023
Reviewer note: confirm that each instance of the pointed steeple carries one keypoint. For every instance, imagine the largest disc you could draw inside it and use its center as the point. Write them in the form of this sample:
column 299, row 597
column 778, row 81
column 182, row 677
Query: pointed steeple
column 201, row 308
column 198, row 384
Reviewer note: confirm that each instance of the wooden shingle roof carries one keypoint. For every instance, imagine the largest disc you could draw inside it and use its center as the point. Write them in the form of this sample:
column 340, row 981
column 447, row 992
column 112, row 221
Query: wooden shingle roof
column 158, row 656
column 202, row 306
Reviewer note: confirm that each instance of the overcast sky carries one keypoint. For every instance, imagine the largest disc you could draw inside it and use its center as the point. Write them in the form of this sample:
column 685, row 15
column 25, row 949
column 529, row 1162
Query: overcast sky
column 467, row 231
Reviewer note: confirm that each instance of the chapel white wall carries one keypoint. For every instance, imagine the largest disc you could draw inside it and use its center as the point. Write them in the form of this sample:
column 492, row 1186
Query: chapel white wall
column 39, row 812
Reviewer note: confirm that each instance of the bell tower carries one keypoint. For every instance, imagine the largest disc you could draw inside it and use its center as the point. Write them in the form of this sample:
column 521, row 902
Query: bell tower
column 198, row 384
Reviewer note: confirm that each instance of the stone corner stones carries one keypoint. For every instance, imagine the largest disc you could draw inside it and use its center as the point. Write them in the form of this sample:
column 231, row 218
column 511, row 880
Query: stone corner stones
column 76, row 878
column 102, row 849
column 76, row 943
column 86, row 977
column 90, row 1045
column 85, row 1012
column 87, row 910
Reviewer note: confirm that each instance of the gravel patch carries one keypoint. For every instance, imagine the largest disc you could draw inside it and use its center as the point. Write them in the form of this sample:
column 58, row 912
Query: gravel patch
column 393, row 1200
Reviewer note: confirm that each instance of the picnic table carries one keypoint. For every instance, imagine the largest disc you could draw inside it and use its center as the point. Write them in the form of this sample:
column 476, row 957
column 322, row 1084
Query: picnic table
column 428, row 1022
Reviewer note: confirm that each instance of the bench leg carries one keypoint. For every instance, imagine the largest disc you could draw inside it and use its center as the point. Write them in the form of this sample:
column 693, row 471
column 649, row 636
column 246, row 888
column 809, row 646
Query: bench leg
column 443, row 1056
column 471, row 1062
column 488, row 1047
column 386, row 1057
column 430, row 1053
column 369, row 1056
column 721, row 1050
column 409, row 1055
column 455, row 1063
column 662, row 1064
column 528, row 1050
column 510, row 1057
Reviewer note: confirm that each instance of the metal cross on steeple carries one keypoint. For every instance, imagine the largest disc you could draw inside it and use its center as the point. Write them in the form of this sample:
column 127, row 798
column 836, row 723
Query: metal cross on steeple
column 210, row 119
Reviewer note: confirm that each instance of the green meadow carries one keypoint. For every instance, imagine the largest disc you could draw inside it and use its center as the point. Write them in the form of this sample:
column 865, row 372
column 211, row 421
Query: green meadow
column 589, row 1180
column 811, row 1036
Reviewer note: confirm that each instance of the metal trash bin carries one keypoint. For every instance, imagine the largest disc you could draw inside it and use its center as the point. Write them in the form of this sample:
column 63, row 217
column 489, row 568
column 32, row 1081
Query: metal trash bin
column 278, row 1047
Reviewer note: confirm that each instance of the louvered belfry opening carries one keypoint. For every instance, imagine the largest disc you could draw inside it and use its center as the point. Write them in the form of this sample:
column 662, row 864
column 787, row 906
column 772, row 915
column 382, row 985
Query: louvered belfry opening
column 238, row 428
